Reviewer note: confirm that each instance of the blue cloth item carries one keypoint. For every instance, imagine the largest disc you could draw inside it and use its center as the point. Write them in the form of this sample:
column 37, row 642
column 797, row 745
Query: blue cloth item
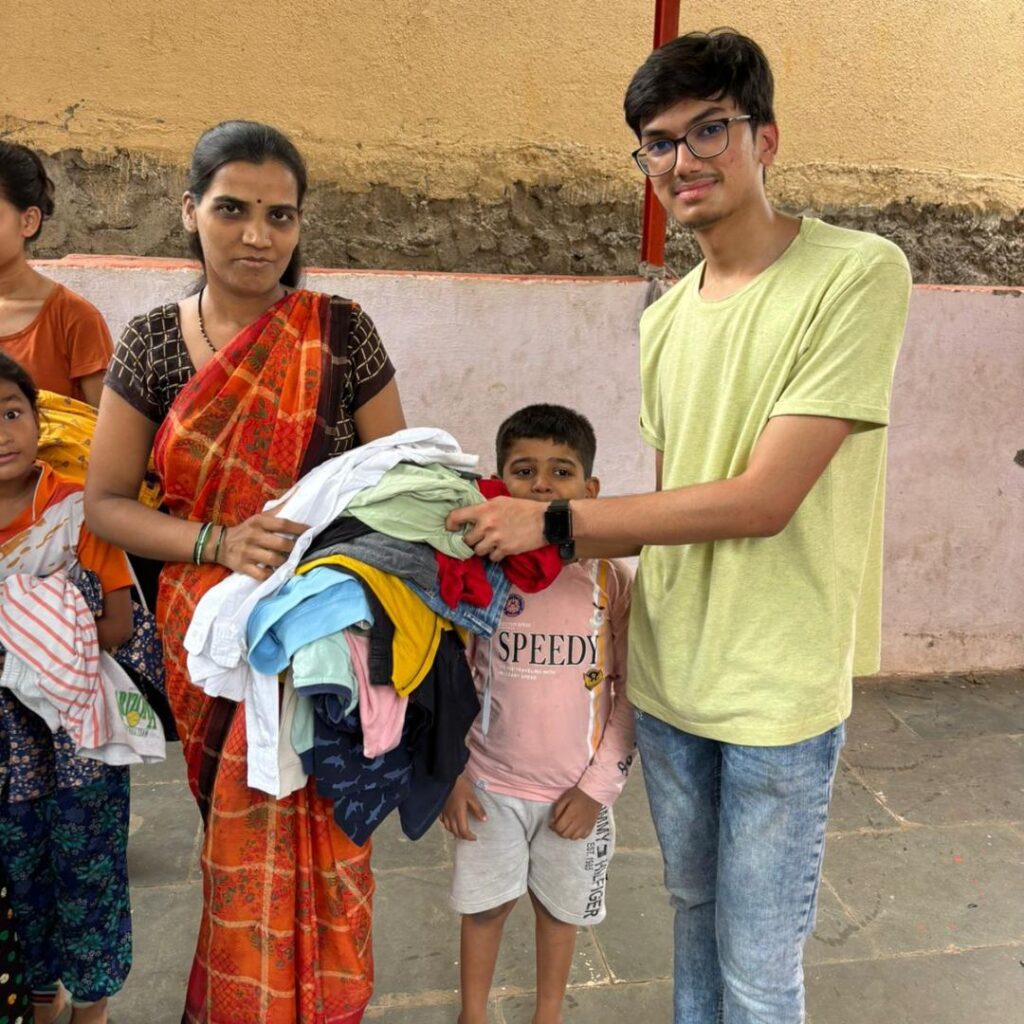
column 307, row 607
column 417, row 775
column 446, row 703
column 365, row 791
column 89, row 586
column 481, row 621
column 742, row 831
column 411, row 560
column 423, row 805
column 442, row 709
column 35, row 762
column 303, row 732
column 303, row 728
column 322, row 666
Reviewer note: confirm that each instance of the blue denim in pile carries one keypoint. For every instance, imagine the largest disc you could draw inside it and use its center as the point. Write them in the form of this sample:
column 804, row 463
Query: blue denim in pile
column 481, row 621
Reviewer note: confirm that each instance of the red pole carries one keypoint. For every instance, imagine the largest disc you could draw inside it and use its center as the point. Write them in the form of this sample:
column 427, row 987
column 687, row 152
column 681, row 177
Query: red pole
column 652, row 238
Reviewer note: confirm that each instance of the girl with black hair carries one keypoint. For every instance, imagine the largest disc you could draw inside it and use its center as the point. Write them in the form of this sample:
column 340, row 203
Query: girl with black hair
column 59, row 337
column 63, row 816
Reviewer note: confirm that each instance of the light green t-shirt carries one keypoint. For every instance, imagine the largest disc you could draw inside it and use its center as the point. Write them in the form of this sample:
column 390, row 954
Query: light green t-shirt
column 412, row 503
column 755, row 641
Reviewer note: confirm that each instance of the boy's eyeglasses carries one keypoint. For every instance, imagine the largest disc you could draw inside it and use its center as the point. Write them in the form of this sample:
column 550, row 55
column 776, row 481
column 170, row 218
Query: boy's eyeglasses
column 705, row 140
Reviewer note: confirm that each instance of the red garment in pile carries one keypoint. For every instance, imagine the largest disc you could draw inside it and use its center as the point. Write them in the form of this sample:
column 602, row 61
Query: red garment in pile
column 465, row 580
column 532, row 571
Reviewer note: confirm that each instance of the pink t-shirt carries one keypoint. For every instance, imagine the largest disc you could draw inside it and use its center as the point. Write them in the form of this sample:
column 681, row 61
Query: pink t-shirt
column 558, row 713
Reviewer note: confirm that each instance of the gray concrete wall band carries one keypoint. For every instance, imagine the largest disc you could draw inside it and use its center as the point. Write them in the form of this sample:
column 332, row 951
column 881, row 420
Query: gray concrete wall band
column 126, row 204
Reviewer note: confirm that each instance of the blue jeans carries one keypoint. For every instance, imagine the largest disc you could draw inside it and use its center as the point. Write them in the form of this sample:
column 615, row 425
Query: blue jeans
column 742, row 833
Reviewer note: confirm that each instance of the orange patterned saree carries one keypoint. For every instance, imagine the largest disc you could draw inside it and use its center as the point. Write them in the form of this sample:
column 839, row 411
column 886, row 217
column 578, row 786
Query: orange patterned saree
column 285, row 930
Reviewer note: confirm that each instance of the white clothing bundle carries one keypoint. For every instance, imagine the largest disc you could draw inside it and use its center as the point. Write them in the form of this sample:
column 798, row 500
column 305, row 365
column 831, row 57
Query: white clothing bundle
column 215, row 640
column 54, row 666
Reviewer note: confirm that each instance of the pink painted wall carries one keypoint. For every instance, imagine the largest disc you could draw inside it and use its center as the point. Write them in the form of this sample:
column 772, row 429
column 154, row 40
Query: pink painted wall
column 470, row 349
column 954, row 584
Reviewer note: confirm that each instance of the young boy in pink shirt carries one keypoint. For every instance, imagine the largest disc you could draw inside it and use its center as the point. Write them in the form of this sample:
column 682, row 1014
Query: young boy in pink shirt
column 552, row 746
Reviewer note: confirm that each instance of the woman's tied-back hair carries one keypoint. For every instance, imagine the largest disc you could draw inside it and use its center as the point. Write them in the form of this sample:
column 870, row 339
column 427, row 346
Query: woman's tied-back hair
column 24, row 182
column 711, row 65
column 548, row 423
column 253, row 143
column 14, row 373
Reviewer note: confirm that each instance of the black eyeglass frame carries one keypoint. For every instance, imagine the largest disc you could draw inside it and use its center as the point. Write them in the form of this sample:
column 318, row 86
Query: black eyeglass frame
column 686, row 142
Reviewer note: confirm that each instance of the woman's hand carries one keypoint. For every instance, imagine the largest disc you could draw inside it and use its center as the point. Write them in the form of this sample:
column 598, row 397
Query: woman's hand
column 257, row 546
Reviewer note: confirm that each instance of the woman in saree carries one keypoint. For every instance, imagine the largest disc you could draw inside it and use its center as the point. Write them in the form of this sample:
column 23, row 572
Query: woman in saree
column 240, row 390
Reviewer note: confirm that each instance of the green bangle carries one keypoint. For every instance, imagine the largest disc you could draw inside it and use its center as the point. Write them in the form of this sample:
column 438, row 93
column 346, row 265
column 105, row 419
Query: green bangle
column 220, row 540
column 195, row 547
column 201, row 539
column 202, row 546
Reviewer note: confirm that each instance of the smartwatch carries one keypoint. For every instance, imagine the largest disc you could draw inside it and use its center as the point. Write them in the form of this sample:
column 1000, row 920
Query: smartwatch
column 558, row 528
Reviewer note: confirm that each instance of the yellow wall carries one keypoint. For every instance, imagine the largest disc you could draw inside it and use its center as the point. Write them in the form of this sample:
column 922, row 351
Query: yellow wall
column 878, row 100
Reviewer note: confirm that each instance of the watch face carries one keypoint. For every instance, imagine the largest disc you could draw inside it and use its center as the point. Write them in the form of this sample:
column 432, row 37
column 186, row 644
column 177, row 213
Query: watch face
column 558, row 522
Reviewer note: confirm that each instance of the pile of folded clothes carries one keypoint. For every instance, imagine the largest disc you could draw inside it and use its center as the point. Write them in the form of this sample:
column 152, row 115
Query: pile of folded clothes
column 351, row 656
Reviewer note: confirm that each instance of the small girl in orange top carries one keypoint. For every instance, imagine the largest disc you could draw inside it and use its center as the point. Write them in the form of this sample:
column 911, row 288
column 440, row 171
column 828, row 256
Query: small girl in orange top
column 63, row 818
column 59, row 337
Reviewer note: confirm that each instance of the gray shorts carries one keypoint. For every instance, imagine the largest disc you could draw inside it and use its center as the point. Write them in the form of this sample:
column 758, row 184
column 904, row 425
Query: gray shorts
column 515, row 850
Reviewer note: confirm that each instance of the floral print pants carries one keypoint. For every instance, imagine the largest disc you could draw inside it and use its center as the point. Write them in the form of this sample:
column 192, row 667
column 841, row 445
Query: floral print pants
column 14, row 1004
column 65, row 859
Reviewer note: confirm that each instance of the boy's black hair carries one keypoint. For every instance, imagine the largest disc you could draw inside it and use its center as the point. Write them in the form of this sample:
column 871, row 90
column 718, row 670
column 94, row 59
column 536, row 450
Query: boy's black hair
column 548, row 423
column 711, row 65
column 24, row 182
column 17, row 375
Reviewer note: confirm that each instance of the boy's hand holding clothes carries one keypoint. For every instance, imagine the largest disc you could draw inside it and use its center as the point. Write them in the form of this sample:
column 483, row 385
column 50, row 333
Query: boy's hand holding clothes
column 574, row 814
column 462, row 802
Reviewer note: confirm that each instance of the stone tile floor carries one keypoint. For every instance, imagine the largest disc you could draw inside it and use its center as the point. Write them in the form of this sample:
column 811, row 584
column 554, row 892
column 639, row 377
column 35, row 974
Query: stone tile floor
column 921, row 917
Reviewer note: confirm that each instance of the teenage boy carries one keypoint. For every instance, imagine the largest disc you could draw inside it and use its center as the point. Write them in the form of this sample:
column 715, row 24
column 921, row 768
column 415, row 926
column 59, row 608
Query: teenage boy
column 766, row 377
column 551, row 749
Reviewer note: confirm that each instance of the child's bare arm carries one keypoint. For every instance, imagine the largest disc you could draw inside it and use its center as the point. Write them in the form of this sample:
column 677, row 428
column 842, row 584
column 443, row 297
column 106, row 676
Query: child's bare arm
column 114, row 626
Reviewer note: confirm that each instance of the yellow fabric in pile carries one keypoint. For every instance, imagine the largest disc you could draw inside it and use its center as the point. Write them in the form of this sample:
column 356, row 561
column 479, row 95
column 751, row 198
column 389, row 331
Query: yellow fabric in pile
column 417, row 628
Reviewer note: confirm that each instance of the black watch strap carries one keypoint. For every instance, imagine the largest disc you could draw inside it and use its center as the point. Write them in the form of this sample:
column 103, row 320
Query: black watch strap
column 558, row 522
